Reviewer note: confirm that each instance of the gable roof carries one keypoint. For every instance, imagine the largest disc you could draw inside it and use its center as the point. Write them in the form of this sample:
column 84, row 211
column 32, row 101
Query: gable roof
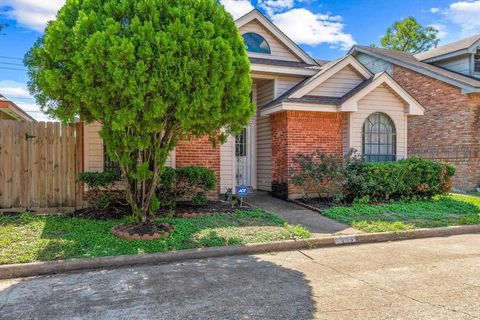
column 347, row 103
column 329, row 70
column 257, row 15
column 449, row 50
column 12, row 110
column 408, row 60
column 350, row 100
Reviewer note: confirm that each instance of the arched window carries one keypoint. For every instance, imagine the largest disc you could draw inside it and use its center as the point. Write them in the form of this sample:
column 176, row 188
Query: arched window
column 256, row 43
column 379, row 138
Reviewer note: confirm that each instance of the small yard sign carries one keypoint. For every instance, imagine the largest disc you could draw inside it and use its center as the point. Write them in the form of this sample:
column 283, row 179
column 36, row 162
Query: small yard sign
column 242, row 191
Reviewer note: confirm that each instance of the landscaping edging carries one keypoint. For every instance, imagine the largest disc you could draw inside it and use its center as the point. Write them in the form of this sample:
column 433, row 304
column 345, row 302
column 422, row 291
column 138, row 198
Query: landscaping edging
column 62, row 266
column 304, row 205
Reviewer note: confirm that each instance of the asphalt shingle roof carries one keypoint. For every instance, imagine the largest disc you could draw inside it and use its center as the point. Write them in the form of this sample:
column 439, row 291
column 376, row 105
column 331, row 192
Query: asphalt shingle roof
column 410, row 59
column 448, row 48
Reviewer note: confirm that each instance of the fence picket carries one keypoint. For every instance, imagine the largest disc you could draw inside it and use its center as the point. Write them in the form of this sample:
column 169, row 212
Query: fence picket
column 39, row 165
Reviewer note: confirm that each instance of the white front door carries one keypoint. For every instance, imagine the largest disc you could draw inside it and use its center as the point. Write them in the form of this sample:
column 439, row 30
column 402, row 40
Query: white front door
column 243, row 157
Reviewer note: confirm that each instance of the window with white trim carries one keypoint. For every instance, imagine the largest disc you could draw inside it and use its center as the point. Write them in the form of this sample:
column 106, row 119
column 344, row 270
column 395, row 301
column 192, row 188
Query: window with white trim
column 256, row 43
column 379, row 138
column 476, row 61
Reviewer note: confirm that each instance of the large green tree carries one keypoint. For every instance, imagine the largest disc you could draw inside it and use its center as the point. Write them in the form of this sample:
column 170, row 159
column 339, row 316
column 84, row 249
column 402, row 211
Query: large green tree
column 152, row 72
column 409, row 36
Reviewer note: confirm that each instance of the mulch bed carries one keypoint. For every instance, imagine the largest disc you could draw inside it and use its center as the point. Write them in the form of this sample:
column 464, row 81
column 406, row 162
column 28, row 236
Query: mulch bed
column 113, row 212
column 187, row 210
column 182, row 210
column 135, row 231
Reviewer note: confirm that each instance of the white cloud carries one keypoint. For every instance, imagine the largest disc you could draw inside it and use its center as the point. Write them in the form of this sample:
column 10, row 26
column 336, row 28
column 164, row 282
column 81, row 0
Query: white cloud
column 32, row 14
column 466, row 14
column 33, row 110
column 274, row 6
column 306, row 27
column 237, row 8
column 442, row 30
column 434, row 10
column 18, row 93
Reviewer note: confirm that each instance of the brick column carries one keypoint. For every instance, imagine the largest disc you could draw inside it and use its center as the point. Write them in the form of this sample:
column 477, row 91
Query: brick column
column 295, row 132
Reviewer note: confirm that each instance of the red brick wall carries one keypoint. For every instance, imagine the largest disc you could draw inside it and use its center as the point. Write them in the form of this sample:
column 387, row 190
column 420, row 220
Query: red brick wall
column 199, row 152
column 295, row 132
column 451, row 119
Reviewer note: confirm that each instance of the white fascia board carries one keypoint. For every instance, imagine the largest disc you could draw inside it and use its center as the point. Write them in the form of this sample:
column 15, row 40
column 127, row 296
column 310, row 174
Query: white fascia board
column 446, row 56
column 414, row 108
column 298, row 107
column 473, row 48
column 327, row 74
column 256, row 67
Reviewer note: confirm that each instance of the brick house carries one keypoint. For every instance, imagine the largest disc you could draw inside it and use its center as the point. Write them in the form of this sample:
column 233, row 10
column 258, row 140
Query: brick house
column 303, row 105
column 446, row 82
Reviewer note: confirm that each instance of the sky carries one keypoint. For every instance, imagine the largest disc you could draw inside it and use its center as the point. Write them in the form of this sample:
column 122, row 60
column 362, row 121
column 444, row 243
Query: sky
column 326, row 29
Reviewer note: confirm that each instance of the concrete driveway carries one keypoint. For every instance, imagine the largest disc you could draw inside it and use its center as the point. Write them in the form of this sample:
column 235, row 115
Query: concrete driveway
column 435, row 278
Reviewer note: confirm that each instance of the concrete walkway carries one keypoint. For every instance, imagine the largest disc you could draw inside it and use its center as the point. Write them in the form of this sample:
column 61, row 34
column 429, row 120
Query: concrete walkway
column 293, row 214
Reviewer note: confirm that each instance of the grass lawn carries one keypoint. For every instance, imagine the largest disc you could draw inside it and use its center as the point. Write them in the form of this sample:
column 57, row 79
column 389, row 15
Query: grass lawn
column 28, row 238
column 440, row 212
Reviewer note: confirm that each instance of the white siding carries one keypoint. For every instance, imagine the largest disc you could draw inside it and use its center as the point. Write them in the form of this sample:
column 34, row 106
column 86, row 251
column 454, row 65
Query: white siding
column 227, row 164
column 457, row 64
column 339, row 84
column 380, row 100
column 93, row 149
column 283, row 84
column 279, row 51
column 264, row 138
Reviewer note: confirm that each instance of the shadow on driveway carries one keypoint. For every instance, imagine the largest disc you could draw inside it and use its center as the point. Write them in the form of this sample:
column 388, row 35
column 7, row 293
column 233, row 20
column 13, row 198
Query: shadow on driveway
column 227, row 288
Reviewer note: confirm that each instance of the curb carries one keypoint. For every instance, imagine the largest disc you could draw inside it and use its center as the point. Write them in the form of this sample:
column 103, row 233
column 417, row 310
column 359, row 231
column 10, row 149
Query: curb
column 64, row 266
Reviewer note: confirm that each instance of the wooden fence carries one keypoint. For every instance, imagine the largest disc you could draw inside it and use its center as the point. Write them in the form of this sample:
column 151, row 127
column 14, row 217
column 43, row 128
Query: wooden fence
column 39, row 163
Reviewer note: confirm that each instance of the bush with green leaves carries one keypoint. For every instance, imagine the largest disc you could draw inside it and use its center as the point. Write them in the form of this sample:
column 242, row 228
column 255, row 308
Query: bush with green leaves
column 413, row 178
column 320, row 174
column 101, row 188
column 151, row 72
column 188, row 183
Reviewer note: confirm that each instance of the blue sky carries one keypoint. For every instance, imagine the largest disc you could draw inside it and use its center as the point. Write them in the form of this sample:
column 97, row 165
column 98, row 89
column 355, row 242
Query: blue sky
column 324, row 28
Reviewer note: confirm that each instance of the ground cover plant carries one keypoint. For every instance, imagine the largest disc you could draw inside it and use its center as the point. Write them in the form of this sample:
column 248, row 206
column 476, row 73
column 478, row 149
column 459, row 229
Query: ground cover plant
column 441, row 211
column 28, row 237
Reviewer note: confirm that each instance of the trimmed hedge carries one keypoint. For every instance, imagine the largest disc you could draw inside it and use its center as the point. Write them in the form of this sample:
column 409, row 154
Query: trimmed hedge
column 414, row 178
column 185, row 183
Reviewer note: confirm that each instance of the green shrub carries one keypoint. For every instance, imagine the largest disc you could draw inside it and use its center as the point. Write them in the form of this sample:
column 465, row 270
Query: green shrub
column 97, row 179
column 200, row 199
column 414, row 178
column 190, row 179
column 101, row 189
column 189, row 183
column 322, row 175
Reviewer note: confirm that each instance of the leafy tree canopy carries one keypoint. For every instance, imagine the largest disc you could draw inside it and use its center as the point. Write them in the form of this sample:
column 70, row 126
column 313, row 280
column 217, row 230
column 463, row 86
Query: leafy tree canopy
column 409, row 36
column 151, row 71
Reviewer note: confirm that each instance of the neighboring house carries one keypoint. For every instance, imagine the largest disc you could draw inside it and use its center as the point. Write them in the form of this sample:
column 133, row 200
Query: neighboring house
column 444, row 81
column 10, row 111
column 303, row 105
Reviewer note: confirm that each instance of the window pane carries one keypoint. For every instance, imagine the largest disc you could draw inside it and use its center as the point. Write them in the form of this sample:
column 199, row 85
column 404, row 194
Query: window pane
column 109, row 165
column 379, row 138
column 256, row 43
